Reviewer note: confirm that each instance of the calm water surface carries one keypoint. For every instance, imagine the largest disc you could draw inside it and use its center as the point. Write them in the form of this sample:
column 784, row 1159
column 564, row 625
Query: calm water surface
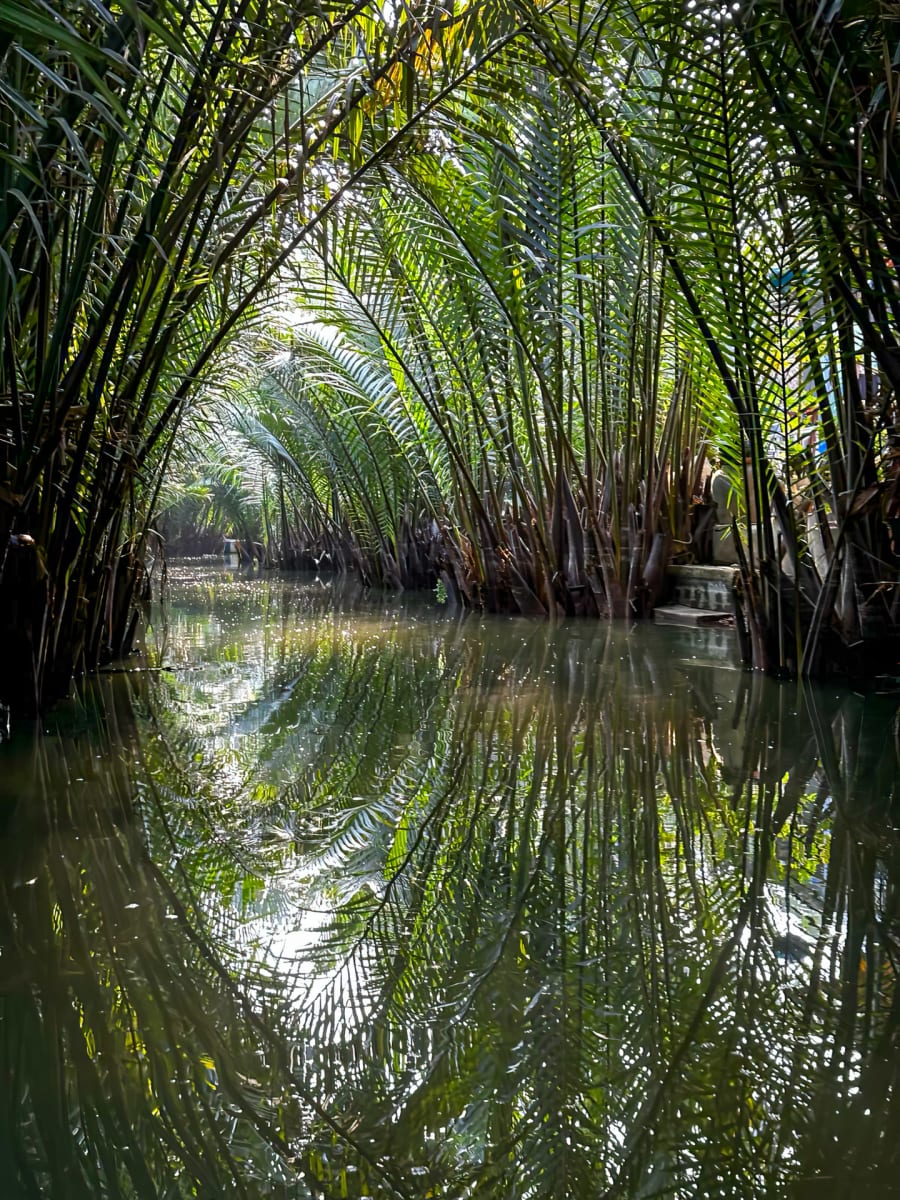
column 347, row 897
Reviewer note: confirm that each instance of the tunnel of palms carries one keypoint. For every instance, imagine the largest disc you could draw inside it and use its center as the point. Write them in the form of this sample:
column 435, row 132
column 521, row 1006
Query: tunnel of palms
column 472, row 297
column 404, row 855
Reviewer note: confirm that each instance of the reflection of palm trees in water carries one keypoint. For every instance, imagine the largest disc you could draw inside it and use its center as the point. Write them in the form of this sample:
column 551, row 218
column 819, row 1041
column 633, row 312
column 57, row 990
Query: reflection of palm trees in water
column 569, row 916
column 137, row 1058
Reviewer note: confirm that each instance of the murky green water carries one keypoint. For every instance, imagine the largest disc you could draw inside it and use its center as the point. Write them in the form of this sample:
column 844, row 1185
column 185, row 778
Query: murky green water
column 357, row 899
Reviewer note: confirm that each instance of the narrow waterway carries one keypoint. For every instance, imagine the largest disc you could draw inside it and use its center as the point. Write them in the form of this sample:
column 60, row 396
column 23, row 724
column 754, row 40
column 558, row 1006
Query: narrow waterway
column 346, row 896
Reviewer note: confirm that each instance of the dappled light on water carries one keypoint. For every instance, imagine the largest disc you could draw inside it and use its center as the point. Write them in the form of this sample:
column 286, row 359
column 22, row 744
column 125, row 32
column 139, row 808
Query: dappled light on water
column 347, row 897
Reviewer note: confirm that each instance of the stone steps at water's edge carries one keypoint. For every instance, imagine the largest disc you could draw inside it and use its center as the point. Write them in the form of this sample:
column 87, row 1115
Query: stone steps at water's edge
column 707, row 588
column 683, row 614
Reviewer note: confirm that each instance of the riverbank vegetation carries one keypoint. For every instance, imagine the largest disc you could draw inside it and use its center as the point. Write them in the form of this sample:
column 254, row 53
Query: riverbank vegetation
column 471, row 295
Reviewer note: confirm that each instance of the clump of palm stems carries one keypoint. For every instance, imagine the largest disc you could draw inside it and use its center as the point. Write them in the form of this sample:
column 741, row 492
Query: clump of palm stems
column 756, row 141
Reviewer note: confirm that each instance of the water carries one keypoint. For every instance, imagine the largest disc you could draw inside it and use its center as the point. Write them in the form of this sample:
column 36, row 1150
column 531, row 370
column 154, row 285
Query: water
column 349, row 897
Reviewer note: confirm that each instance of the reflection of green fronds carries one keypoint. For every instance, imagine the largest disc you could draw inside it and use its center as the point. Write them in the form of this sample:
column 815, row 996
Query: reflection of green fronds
column 540, row 906
column 137, row 1057
column 495, row 910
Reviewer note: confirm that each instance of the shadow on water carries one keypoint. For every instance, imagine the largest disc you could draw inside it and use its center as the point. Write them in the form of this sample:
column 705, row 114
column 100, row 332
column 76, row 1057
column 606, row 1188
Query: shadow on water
column 354, row 899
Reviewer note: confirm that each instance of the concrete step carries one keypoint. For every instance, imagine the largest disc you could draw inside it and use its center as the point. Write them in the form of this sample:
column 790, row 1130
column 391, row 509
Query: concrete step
column 681, row 614
column 707, row 587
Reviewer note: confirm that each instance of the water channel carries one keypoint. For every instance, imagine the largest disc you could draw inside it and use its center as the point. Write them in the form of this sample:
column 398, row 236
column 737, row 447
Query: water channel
column 344, row 895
